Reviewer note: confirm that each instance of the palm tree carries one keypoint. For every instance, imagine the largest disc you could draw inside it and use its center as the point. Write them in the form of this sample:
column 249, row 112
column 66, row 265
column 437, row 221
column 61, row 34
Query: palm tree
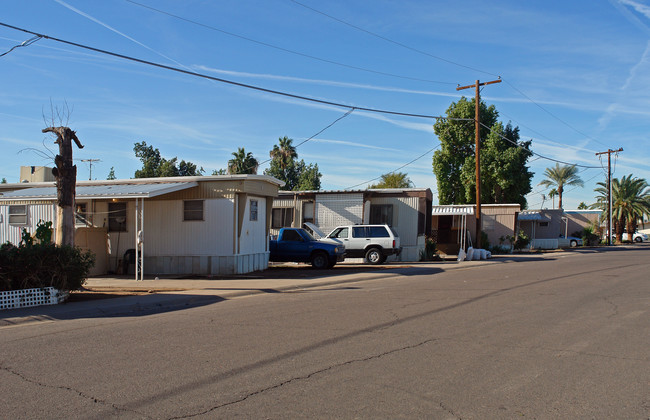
column 285, row 153
column 559, row 177
column 552, row 194
column 394, row 180
column 630, row 201
column 242, row 163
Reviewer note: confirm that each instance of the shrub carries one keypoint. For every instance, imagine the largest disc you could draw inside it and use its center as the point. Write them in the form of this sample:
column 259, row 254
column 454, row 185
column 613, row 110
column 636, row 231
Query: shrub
column 429, row 251
column 589, row 237
column 522, row 241
column 43, row 264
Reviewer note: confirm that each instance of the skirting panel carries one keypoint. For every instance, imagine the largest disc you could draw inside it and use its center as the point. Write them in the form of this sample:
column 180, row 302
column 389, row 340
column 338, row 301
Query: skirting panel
column 206, row 265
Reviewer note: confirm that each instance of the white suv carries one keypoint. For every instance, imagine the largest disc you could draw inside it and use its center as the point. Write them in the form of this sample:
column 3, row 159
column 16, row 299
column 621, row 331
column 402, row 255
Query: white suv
column 372, row 242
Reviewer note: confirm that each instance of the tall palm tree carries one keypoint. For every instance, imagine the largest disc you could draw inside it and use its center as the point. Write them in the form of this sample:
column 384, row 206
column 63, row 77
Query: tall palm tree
column 242, row 163
column 560, row 176
column 284, row 153
column 630, row 201
column 552, row 194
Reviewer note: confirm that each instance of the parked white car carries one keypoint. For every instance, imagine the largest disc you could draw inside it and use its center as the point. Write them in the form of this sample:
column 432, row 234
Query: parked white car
column 636, row 237
column 372, row 242
column 569, row 241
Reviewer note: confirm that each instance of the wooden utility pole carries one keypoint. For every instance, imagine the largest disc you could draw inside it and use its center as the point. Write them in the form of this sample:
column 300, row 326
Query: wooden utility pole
column 609, row 191
column 66, row 179
column 477, row 151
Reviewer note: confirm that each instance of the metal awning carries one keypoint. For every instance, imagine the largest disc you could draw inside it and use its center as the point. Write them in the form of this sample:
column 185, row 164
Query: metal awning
column 537, row 216
column 99, row 192
column 452, row 210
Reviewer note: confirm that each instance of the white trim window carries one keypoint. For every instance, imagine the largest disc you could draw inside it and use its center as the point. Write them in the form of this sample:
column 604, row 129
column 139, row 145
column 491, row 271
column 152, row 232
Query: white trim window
column 18, row 214
column 192, row 210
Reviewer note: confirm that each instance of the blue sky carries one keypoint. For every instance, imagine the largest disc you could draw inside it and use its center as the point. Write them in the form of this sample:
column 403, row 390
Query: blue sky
column 576, row 77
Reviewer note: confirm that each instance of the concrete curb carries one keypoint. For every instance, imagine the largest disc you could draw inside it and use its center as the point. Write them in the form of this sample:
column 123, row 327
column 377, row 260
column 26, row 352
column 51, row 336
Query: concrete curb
column 172, row 294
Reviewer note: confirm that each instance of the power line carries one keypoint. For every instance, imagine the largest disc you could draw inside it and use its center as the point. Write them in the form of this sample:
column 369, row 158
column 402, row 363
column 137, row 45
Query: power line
column 446, row 61
column 535, row 153
column 266, row 44
column 26, row 43
column 322, row 130
column 205, row 76
column 376, row 35
column 395, row 170
column 551, row 114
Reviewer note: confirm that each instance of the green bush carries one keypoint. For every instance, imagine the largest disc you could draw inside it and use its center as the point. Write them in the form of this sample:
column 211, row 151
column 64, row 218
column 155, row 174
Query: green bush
column 429, row 251
column 522, row 241
column 43, row 264
column 589, row 237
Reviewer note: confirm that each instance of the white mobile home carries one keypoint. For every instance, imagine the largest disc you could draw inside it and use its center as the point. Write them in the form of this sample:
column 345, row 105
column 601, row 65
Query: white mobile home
column 406, row 210
column 184, row 225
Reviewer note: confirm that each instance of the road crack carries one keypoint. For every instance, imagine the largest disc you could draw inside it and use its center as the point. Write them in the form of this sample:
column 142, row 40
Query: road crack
column 308, row 376
column 74, row 391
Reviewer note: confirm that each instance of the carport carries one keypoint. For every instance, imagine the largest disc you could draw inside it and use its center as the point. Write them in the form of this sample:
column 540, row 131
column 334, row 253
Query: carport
column 449, row 228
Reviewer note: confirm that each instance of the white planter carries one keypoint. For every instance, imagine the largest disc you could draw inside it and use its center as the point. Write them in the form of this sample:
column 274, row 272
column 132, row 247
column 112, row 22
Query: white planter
column 24, row 298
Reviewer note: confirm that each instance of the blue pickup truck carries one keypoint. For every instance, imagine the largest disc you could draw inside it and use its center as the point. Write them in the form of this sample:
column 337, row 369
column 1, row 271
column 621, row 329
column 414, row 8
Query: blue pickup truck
column 297, row 245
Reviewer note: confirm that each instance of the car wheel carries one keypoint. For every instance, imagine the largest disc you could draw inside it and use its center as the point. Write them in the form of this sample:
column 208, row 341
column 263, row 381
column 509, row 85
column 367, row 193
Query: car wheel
column 573, row 243
column 319, row 260
column 638, row 239
column 374, row 256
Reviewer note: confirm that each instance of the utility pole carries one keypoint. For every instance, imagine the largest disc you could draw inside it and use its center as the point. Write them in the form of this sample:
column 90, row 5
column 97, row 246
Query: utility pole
column 477, row 151
column 609, row 191
column 90, row 161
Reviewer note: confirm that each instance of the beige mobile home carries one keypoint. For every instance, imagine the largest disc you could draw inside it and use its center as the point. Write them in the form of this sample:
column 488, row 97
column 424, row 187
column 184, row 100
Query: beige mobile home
column 184, row 225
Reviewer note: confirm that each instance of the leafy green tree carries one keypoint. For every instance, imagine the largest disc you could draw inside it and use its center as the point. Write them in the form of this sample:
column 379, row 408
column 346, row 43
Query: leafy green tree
column 296, row 174
column 242, row 163
column 4, row 181
column 505, row 178
column 583, row 206
column 630, row 201
column 155, row 166
column 111, row 174
column 219, row 172
column 394, row 180
column 560, row 176
column 308, row 176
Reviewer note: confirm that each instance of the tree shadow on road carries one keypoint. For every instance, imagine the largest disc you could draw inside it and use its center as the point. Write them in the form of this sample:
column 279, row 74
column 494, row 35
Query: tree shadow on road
column 123, row 306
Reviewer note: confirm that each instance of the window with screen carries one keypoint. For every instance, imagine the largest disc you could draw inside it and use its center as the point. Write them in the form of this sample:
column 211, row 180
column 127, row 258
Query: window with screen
column 18, row 214
column 253, row 210
column 192, row 210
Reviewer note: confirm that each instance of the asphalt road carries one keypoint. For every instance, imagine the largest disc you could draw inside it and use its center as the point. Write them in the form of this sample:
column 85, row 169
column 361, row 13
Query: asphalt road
column 559, row 336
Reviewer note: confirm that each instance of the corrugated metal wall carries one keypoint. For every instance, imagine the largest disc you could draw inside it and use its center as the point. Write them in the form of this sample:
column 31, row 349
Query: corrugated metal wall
column 405, row 217
column 35, row 212
column 166, row 234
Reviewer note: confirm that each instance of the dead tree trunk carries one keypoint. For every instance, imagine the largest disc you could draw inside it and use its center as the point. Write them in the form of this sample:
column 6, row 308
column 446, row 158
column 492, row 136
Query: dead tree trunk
column 66, row 179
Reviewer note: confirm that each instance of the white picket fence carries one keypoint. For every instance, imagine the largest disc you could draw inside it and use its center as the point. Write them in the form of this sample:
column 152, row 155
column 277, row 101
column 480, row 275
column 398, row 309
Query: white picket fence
column 24, row 298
